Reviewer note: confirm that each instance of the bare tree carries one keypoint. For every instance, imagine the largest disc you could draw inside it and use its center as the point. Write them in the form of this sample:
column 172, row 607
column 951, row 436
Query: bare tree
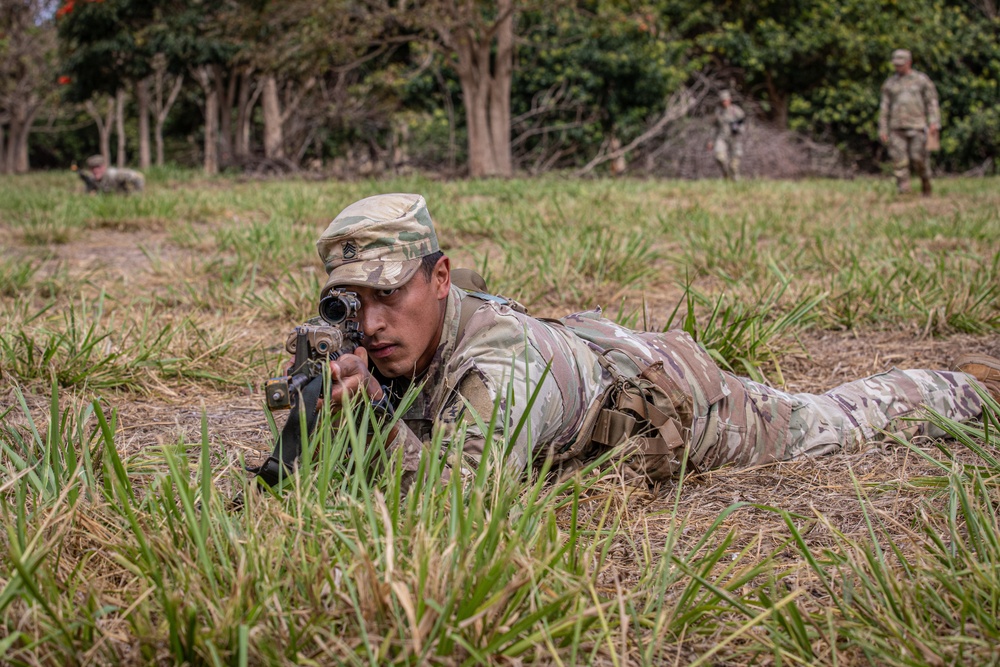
column 27, row 81
column 142, row 101
column 161, row 107
column 246, row 99
column 120, row 99
column 275, row 117
column 103, row 123
column 204, row 76
column 482, row 50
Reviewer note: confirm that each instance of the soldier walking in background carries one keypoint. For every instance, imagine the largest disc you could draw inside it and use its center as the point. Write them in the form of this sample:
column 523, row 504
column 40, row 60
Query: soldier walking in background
column 98, row 177
column 728, row 143
column 908, row 116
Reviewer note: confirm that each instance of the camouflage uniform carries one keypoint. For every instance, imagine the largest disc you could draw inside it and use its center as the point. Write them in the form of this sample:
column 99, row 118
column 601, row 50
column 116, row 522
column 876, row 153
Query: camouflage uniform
column 122, row 180
column 576, row 366
column 909, row 106
column 728, row 146
column 733, row 420
column 113, row 180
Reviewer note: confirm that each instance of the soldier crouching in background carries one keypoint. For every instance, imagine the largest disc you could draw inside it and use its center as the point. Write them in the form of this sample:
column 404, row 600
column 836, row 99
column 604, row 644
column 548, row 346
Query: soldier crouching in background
column 98, row 177
column 728, row 143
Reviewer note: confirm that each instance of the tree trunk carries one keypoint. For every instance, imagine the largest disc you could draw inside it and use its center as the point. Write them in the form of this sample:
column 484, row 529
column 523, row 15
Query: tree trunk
column 120, row 125
column 163, row 108
column 142, row 98
column 21, row 165
column 9, row 158
column 485, row 78
column 3, row 154
column 241, row 138
column 203, row 75
column 104, row 131
column 226, row 94
column 274, row 138
column 500, row 85
column 103, row 126
column 779, row 103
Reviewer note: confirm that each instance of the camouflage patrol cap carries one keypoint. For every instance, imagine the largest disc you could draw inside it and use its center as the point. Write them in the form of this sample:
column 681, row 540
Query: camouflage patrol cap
column 725, row 95
column 95, row 161
column 378, row 241
column 902, row 56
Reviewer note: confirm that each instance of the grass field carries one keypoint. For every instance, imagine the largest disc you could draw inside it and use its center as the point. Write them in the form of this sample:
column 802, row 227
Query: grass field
column 136, row 333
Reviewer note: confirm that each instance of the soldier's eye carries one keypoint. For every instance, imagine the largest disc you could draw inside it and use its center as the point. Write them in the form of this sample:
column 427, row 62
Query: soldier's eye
column 386, row 292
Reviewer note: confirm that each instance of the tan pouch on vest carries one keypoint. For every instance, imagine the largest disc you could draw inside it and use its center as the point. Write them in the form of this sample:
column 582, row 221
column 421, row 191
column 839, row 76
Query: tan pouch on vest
column 649, row 417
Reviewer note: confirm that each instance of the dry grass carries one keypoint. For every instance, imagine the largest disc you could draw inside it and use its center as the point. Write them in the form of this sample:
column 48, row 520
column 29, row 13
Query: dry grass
column 225, row 268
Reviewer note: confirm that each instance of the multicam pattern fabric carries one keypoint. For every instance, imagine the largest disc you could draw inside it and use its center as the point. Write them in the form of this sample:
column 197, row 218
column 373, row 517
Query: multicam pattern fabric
column 505, row 357
column 377, row 241
column 728, row 147
column 908, row 149
column 909, row 102
column 121, row 180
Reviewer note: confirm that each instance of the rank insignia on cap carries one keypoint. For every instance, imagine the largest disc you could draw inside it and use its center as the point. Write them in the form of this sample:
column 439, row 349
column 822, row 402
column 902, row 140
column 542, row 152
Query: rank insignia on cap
column 350, row 250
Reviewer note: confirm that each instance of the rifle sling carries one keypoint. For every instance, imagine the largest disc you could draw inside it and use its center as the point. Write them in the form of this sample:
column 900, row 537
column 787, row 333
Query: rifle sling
column 288, row 446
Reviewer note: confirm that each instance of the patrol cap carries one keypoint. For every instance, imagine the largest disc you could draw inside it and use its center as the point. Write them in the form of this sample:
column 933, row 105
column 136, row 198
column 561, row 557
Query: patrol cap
column 377, row 242
column 901, row 56
column 725, row 95
column 95, row 161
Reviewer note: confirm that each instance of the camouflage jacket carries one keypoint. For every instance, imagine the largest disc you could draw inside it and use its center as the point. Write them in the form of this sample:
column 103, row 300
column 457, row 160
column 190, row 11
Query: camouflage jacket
column 121, row 180
column 727, row 118
column 505, row 357
column 909, row 102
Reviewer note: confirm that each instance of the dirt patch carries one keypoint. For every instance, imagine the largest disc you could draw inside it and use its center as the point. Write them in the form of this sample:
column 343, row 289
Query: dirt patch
column 831, row 358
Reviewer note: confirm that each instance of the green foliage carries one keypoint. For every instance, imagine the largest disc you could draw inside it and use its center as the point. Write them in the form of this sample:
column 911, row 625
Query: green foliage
column 819, row 66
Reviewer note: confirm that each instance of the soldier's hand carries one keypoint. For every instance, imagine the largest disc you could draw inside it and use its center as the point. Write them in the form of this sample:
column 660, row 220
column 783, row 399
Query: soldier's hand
column 349, row 374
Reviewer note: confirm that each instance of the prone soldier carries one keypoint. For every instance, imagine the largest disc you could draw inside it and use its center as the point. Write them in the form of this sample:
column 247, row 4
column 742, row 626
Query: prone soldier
column 728, row 142
column 98, row 177
column 582, row 384
column 908, row 118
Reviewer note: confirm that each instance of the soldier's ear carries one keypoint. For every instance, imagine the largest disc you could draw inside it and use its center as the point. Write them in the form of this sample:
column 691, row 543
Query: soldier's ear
column 441, row 278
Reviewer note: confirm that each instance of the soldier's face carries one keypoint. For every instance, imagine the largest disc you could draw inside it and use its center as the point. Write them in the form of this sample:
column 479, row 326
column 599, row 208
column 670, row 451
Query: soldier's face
column 902, row 66
column 98, row 171
column 403, row 326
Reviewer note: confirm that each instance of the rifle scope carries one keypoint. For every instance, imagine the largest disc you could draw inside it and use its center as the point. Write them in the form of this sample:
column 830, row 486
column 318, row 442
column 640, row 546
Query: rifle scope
column 338, row 306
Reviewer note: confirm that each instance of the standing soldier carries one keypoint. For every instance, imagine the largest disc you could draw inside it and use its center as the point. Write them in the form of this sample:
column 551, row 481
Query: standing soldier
column 101, row 178
column 728, row 142
column 907, row 115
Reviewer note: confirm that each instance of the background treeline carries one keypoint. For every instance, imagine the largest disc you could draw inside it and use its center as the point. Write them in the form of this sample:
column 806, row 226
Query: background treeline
column 481, row 88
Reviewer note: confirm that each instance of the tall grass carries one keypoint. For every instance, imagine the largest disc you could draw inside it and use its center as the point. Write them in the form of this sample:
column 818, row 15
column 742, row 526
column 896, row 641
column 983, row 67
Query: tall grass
column 116, row 554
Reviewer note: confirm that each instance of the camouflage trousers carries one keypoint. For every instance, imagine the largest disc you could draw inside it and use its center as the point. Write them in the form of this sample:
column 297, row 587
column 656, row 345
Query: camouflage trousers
column 756, row 424
column 908, row 149
column 728, row 153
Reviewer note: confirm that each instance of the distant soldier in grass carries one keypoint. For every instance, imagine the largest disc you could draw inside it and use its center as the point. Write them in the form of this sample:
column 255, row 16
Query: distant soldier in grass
column 728, row 142
column 581, row 384
column 98, row 177
column 908, row 117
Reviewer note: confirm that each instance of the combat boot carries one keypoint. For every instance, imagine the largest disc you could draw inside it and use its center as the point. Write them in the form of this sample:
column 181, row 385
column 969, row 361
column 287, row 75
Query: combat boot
column 984, row 368
column 925, row 187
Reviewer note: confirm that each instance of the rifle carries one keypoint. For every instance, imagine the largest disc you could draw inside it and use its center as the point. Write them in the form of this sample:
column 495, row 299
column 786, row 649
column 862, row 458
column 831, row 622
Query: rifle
column 302, row 386
column 88, row 180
